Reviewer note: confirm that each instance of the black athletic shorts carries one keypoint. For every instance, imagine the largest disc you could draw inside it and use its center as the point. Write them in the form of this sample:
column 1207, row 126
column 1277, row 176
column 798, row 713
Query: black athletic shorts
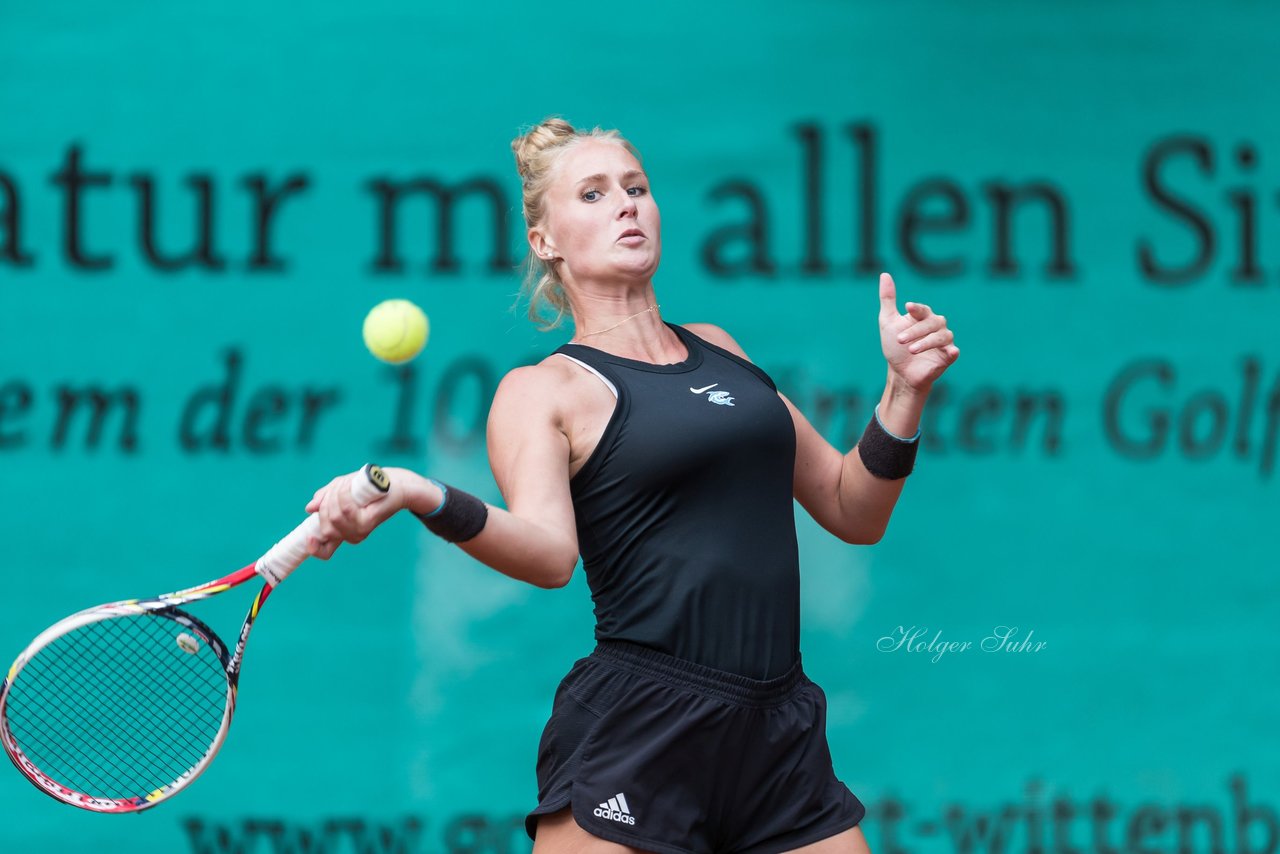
column 670, row 756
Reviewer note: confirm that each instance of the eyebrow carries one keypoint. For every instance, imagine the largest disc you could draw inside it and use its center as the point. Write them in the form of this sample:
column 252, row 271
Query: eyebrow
column 630, row 173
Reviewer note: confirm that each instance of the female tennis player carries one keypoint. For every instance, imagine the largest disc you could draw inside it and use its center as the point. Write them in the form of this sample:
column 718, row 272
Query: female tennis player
column 669, row 462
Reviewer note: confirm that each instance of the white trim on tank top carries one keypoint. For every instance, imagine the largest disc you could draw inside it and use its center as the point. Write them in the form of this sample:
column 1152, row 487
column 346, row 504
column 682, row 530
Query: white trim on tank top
column 602, row 377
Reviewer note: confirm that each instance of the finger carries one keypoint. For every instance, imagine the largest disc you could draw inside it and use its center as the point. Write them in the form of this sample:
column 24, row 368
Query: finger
column 952, row 351
column 345, row 502
column 325, row 529
column 316, row 500
column 322, row 549
column 918, row 310
column 921, row 328
column 932, row 341
column 369, row 517
column 340, row 528
column 888, row 296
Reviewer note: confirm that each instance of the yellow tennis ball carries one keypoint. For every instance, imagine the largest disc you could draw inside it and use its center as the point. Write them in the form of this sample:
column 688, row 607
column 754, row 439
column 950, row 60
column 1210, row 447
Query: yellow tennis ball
column 396, row 330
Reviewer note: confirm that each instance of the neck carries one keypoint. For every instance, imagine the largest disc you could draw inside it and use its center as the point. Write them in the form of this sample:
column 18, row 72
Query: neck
column 598, row 305
column 625, row 321
column 653, row 308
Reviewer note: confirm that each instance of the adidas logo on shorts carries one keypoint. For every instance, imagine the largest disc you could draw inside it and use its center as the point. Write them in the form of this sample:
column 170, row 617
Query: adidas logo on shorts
column 616, row 809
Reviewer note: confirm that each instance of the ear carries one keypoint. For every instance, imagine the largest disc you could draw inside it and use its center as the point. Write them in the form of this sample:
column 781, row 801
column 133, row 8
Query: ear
column 541, row 245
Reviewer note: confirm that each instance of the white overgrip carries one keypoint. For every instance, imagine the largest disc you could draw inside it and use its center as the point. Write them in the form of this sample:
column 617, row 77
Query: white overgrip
column 288, row 554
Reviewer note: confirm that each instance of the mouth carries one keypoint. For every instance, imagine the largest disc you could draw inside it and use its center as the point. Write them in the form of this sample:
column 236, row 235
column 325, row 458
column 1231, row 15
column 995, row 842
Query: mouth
column 631, row 232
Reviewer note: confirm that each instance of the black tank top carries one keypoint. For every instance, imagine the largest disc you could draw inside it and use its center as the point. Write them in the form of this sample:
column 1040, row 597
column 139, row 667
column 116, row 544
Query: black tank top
column 684, row 511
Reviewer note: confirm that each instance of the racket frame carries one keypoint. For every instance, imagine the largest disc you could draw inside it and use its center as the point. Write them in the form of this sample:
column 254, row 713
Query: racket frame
column 273, row 567
column 166, row 607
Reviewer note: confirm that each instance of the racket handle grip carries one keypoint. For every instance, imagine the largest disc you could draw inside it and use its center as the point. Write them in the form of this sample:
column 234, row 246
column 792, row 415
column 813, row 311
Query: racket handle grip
column 288, row 554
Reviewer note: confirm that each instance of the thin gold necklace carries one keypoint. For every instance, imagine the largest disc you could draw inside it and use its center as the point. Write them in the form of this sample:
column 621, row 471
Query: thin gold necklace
column 653, row 307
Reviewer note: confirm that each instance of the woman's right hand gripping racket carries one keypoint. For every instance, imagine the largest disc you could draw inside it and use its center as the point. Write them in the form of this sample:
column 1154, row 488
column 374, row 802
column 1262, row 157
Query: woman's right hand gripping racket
column 118, row 707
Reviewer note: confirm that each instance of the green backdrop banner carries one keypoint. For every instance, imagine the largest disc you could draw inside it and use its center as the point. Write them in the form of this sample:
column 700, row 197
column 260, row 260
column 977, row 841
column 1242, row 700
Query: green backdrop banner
column 1065, row 642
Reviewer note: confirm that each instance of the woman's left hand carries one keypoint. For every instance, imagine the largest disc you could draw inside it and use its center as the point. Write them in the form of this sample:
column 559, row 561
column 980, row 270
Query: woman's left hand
column 917, row 345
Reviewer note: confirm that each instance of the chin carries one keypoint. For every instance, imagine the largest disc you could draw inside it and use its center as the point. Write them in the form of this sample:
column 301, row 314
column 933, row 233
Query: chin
column 640, row 273
column 638, row 267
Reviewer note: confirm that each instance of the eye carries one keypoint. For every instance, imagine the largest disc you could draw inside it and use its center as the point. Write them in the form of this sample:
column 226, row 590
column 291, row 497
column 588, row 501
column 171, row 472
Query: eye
column 637, row 191
column 586, row 196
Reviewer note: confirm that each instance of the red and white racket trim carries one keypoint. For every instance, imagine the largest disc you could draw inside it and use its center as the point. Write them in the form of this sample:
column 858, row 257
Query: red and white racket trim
column 127, row 608
column 274, row 566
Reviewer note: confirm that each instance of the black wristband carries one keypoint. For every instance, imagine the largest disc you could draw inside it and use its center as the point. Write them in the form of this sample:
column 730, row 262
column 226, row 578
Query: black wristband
column 885, row 455
column 459, row 517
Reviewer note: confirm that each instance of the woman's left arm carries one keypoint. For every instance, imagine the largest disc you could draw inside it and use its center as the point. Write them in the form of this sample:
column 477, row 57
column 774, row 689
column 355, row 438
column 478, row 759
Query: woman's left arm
column 836, row 488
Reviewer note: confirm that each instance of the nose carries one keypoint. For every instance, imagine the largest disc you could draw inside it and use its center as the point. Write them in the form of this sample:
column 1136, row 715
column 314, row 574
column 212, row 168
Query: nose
column 628, row 206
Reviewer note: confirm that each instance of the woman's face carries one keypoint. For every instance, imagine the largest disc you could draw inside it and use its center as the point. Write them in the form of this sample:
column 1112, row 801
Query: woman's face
column 601, row 219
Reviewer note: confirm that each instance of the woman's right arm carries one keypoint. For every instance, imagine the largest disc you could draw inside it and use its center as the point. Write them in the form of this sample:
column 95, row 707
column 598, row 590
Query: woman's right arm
column 535, row 538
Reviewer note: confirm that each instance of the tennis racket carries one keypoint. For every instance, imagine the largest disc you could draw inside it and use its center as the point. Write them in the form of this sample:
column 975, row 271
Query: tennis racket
column 119, row 707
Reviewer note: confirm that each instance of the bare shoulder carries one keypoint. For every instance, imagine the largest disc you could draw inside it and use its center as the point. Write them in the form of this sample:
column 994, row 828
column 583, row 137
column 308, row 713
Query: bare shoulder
column 716, row 335
column 531, row 389
column 541, row 377
column 547, row 388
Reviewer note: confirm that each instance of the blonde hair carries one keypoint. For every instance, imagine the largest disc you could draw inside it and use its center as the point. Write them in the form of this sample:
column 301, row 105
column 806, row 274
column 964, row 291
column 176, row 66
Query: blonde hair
column 537, row 152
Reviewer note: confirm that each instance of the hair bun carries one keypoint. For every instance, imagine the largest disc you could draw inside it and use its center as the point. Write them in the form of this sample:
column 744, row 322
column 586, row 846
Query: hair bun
column 550, row 133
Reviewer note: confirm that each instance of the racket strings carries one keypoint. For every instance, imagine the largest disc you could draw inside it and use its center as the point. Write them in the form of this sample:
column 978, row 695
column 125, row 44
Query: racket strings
column 89, row 723
column 135, row 708
column 73, row 743
column 116, row 709
column 80, row 742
